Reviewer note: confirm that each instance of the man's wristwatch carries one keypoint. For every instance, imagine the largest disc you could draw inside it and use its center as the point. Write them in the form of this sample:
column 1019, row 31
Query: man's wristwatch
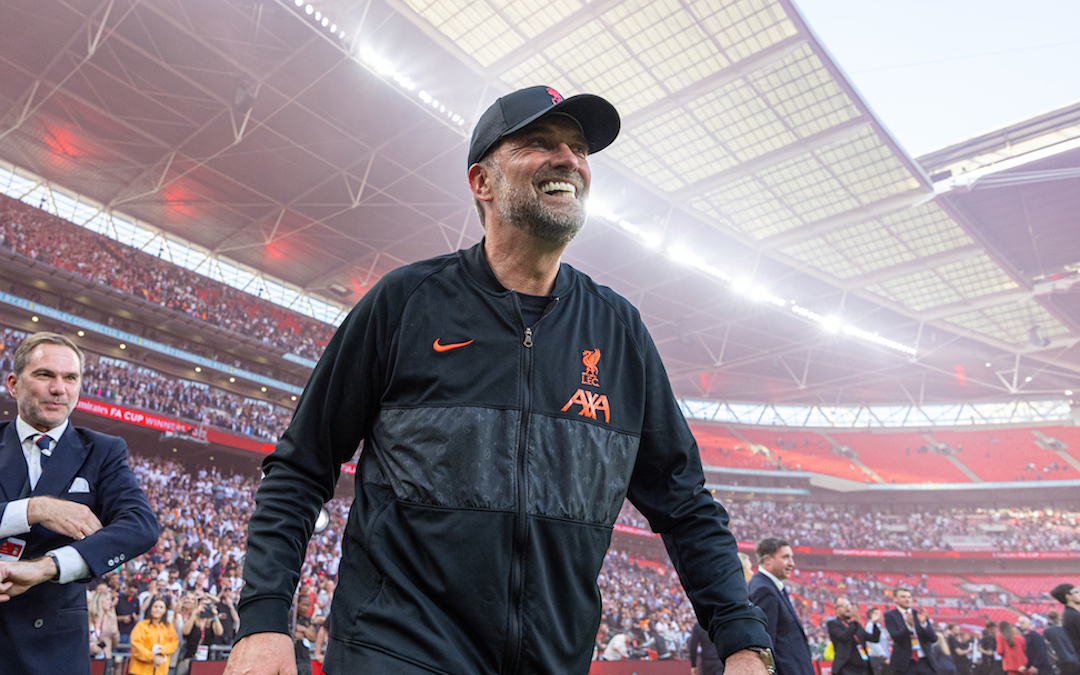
column 56, row 561
column 766, row 658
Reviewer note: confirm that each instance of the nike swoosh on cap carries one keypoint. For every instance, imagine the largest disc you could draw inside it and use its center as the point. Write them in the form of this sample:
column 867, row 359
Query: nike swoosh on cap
column 445, row 348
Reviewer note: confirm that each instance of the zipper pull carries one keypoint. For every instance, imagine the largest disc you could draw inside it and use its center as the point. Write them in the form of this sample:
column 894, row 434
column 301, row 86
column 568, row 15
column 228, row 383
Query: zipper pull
column 528, row 337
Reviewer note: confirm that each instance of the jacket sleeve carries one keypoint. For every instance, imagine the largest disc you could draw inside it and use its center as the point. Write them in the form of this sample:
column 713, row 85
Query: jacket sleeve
column 872, row 637
column 171, row 642
column 141, row 643
column 333, row 415
column 838, row 633
column 897, row 627
column 668, row 487
column 129, row 527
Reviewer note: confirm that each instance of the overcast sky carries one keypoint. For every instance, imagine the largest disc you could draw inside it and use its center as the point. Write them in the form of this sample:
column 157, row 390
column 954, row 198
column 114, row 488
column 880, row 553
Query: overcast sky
column 937, row 72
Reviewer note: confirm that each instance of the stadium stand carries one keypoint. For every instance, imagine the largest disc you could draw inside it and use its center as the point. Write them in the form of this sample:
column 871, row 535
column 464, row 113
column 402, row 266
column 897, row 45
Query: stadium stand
column 901, row 457
column 51, row 240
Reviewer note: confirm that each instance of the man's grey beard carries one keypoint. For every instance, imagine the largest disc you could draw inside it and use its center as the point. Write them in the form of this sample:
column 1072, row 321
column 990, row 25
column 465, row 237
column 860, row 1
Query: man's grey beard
column 522, row 208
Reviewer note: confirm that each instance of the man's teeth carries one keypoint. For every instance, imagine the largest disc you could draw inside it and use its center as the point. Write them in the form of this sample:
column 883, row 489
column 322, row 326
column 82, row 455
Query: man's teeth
column 558, row 188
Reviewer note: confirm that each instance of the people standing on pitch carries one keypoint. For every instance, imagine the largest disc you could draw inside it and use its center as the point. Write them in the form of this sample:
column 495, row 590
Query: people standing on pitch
column 1038, row 655
column 1011, row 647
column 961, row 648
column 879, row 651
column 776, row 563
column 1065, row 654
column 990, row 660
column 912, row 633
column 507, row 405
column 70, row 509
column 1069, row 596
column 850, row 639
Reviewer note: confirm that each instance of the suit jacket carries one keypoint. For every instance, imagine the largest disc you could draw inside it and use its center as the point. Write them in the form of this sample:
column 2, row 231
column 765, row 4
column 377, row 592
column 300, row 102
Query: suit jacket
column 1038, row 654
column 845, row 637
column 900, row 660
column 45, row 630
column 790, row 647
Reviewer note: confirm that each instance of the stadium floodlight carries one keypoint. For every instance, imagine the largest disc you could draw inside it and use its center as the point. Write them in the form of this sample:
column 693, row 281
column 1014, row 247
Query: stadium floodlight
column 832, row 324
column 309, row 9
column 299, row 3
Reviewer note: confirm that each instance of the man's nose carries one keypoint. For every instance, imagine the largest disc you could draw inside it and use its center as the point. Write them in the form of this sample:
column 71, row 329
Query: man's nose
column 564, row 156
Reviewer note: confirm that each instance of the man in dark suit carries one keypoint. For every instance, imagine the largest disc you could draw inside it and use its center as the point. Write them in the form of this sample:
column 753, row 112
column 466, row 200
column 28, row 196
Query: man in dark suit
column 70, row 508
column 912, row 635
column 849, row 640
column 1038, row 654
column 1065, row 655
column 776, row 562
column 1069, row 595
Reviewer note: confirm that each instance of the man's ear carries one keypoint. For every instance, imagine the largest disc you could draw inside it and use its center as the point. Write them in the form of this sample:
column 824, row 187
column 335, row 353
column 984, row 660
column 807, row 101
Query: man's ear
column 480, row 182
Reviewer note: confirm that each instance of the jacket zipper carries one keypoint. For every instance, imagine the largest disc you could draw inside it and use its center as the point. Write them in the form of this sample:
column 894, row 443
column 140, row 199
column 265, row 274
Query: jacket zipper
column 521, row 525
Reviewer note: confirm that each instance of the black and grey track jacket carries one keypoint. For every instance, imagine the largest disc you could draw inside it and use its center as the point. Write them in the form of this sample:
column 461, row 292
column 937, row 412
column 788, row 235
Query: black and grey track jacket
column 495, row 461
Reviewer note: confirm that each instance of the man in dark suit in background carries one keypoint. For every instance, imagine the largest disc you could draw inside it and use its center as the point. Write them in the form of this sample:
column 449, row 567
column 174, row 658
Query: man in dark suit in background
column 849, row 640
column 70, row 508
column 1069, row 596
column 776, row 562
column 1038, row 655
column 912, row 634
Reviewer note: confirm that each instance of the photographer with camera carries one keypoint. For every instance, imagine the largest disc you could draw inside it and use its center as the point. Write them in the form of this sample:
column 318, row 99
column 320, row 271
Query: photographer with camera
column 202, row 623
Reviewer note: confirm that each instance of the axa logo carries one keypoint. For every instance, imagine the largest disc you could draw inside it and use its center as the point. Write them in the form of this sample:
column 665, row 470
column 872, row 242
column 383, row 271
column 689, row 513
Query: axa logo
column 591, row 403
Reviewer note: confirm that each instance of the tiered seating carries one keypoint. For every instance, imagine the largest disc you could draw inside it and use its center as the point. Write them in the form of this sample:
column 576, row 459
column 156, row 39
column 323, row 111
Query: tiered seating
column 999, row 614
column 719, row 448
column 803, row 451
column 946, row 586
column 1068, row 435
column 999, row 454
column 896, row 458
column 1019, row 584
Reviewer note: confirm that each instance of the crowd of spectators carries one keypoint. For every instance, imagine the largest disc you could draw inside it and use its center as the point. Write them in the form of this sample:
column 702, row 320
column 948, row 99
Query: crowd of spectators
column 919, row 527
column 124, row 383
column 197, row 563
column 41, row 236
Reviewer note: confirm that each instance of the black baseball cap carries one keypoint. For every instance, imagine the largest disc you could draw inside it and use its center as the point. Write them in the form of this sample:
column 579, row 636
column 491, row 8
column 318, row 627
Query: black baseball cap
column 598, row 119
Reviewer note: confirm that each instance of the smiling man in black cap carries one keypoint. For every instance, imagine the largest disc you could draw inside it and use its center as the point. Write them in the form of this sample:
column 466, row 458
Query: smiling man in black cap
column 507, row 405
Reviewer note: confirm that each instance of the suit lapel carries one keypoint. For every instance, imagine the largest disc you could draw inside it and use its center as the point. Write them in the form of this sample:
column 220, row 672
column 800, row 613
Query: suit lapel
column 13, row 474
column 67, row 458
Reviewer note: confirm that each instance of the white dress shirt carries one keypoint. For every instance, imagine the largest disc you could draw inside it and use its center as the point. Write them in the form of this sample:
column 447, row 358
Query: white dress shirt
column 14, row 521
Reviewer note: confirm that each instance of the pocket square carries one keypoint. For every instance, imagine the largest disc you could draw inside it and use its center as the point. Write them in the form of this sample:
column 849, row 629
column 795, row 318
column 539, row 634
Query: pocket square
column 79, row 485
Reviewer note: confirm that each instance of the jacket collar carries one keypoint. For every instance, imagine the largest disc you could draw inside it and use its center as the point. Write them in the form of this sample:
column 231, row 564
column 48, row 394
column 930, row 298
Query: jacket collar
column 12, row 464
column 478, row 268
column 67, row 458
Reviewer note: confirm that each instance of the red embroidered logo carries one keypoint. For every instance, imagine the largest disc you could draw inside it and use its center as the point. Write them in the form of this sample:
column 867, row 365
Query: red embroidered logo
column 590, row 357
column 556, row 97
column 591, row 403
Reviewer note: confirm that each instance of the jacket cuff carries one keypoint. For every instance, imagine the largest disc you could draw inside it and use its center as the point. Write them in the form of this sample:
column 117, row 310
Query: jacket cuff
column 734, row 636
column 263, row 615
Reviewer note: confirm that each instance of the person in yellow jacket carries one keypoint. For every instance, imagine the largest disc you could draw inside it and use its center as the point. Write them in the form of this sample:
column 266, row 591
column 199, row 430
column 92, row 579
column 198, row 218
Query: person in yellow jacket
column 152, row 641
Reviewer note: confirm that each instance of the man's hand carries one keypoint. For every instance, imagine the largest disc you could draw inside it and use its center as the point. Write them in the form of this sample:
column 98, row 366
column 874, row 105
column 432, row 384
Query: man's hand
column 744, row 662
column 263, row 654
column 158, row 659
column 18, row 577
column 70, row 519
column 923, row 615
column 909, row 619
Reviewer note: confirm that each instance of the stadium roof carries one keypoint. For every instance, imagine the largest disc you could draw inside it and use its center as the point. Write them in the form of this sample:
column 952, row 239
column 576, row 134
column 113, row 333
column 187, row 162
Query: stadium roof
column 781, row 246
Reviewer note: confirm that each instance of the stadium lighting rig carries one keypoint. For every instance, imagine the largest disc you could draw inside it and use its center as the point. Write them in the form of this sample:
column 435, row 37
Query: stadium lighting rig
column 379, row 65
column 744, row 286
